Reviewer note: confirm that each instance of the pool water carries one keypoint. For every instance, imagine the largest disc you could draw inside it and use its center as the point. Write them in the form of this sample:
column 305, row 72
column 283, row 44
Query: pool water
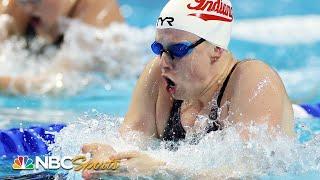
column 294, row 52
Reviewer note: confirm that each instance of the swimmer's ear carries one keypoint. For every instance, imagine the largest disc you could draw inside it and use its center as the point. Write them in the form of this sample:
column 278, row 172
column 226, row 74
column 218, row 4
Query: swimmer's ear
column 217, row 54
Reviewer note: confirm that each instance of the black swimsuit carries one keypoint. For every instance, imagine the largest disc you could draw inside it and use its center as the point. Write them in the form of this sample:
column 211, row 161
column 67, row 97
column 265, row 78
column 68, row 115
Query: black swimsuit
column 30, row 34
column 174, row 130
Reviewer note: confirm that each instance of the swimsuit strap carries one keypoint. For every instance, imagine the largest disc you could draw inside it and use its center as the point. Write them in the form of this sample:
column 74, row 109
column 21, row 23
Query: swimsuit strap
column 30, row 35
column 224, row 86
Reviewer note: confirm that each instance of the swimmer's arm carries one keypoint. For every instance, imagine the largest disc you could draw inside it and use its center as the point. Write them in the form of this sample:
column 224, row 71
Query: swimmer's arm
column 98, row 13
column 134, row 163
column 21, row 84
column 32, row 83
column 8, row 83
column 141, row 115
column 259, row 96
column 214, row 173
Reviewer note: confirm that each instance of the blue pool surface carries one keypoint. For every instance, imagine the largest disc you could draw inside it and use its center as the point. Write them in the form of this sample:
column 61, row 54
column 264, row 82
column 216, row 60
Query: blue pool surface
column 18, row 111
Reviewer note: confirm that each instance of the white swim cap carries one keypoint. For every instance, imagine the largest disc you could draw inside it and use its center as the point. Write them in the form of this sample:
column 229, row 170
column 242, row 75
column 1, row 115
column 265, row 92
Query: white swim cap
column 208, row 19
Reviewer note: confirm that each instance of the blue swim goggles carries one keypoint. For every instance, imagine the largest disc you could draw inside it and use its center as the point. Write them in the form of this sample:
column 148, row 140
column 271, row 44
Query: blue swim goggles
column 176, row 50
column 24, row 2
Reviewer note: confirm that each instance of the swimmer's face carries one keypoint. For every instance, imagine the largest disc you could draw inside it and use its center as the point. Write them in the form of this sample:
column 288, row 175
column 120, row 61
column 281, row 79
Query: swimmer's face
column 188, row 76
column 44, row 14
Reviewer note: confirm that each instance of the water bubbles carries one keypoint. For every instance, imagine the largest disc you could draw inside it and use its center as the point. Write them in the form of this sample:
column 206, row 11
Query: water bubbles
column 262, row 84
column 126, row 10
column 21, row 127
column 261, row 155
column 107, row 87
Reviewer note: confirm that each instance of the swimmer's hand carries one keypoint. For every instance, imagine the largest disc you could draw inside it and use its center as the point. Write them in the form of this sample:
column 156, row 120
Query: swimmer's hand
column 137, row 163
column 133, row 164
column 99, row 153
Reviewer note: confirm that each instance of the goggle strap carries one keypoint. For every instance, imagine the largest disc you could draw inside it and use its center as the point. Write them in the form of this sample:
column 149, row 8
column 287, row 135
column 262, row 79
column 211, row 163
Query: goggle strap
column 197, row 43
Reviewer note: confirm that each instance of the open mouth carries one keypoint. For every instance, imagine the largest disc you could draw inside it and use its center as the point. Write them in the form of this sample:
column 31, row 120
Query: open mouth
column 171, row 86
column 35, row 21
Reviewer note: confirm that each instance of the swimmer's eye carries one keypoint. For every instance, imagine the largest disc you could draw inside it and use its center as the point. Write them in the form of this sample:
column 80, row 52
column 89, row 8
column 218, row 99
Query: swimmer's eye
column 158, row 49
column 24, row 2
column 176, row 51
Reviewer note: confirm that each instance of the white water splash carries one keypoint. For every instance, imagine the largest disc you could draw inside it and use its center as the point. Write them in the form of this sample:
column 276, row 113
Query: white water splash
column 262, row 155
column 260, row 87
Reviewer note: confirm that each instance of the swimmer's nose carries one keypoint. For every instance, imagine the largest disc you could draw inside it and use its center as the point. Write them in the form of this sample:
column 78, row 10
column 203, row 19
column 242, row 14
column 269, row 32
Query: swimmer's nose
column 166, row 62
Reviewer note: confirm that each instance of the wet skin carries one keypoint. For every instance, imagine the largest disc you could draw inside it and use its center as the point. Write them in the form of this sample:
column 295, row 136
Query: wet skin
column 197, row 78
column 255, row 94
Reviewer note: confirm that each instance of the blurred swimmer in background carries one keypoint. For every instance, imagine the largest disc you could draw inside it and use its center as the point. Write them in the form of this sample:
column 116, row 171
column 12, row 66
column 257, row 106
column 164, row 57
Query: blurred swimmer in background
column 32, row 18
column 44, row 20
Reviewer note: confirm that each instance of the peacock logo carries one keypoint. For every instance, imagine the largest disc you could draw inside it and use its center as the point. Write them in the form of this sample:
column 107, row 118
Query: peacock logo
column 23, row 163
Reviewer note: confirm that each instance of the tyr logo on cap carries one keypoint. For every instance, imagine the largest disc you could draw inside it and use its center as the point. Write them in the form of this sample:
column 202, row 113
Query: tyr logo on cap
column 161, row 20
column 223, row 10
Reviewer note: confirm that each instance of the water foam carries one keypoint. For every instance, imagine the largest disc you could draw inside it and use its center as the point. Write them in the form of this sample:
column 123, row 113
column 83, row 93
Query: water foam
column 119, row 51
column 261, row 155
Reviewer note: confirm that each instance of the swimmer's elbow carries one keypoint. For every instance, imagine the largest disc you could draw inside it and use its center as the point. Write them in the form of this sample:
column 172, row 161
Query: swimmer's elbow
column 138, row 122
column 136, row 125
column 129, row 124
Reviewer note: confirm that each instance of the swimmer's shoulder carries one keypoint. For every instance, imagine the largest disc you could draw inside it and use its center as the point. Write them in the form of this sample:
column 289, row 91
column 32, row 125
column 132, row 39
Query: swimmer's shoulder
column 158, row 101
column 141, row 115
column 98, row 13
column 151, row 73
column 254, row 69
column 256, row 82
column 249, row 73
column 147, row 88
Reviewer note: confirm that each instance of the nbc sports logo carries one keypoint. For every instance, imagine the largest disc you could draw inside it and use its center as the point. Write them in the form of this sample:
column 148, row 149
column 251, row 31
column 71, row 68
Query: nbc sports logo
column 67, row 163
column 23, row 163
column 47, row 162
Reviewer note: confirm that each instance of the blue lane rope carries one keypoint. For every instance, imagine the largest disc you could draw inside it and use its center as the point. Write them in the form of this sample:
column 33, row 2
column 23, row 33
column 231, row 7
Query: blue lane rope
column 313, row 110
column 31, row 141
